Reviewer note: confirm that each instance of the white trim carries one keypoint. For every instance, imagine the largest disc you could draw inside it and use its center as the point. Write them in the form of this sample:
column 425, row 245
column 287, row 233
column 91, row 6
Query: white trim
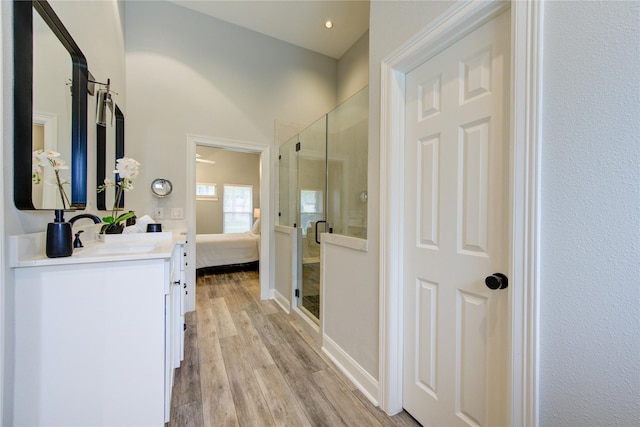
column 280, row 299
column 292, row 234
column 349, row 242
column 311, row 327
column 351, row 369
column 3, row 263
column 50, row 124
column 455, row 23
column 267, row 249
column 526, row 81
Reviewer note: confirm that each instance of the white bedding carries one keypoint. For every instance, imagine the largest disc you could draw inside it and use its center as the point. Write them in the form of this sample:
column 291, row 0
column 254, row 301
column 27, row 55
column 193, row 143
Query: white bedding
column 213, row 250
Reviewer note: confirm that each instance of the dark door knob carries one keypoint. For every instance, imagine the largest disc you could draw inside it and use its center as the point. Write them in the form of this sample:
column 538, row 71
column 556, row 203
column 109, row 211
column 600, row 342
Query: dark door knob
column 497, row 281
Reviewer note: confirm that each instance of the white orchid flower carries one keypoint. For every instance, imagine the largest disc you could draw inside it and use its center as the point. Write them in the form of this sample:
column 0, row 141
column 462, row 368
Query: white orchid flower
column 58, row 164
column 127, row 168
column 51, row 154
column 39, row 160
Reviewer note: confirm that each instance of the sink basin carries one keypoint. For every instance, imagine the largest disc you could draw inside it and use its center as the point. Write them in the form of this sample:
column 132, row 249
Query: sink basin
column 115, row 249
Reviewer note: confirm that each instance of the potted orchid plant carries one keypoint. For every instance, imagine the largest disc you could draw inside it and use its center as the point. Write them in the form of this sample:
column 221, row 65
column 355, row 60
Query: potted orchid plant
column 40, row 158
column 126, row 170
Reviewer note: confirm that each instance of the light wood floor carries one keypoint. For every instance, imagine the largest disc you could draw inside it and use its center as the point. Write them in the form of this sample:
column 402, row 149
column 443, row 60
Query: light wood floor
column 247, row 363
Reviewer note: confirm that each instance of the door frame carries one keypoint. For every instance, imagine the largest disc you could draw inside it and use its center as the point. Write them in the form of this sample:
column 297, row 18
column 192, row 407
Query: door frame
column 267, row 248
column 524, row 198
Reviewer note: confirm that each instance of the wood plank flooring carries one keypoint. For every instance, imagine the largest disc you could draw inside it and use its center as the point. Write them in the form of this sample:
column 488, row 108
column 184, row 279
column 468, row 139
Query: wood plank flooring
column 247, row 363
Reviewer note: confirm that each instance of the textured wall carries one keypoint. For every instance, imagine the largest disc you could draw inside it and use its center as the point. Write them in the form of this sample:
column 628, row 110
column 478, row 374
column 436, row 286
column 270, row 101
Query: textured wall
column 590, row 281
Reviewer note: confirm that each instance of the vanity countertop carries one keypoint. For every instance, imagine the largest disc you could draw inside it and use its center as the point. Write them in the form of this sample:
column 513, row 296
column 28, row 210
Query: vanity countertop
column 28, row 250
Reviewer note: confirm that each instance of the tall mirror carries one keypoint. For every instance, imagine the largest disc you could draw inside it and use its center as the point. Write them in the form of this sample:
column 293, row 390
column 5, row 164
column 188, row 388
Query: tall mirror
column 50, row 108
column 110, row 147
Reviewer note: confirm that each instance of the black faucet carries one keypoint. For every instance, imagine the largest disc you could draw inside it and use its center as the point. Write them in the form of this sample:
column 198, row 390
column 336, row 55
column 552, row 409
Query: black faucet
column 77, row 243
column 92, row 217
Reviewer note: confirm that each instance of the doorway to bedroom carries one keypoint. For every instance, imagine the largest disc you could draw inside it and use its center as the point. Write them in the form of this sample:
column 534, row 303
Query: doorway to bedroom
column 228, row 199
column 227, row 209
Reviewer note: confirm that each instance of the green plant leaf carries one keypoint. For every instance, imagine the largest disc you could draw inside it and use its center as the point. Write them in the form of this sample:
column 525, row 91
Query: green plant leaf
column 108, row 219
column 124, row 216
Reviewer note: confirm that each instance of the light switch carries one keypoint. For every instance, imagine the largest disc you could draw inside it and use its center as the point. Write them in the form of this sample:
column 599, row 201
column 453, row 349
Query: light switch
column 159, row 213
column 177, row 213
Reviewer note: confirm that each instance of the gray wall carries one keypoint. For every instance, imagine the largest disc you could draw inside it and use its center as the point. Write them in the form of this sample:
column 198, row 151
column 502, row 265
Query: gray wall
column 190, row 74
column 351, row 275
column 231, row 167
column 590, row 272
column 589, row 300
column 353, row 69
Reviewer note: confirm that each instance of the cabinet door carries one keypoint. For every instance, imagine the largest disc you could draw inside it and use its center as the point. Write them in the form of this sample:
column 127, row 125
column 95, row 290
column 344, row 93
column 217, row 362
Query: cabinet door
column 176, row 322
column 168, row 353
column 183, row 297
column 89, row 346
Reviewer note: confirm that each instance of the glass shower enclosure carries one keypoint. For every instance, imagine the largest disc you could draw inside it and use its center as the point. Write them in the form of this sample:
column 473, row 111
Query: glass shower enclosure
column 323, row 188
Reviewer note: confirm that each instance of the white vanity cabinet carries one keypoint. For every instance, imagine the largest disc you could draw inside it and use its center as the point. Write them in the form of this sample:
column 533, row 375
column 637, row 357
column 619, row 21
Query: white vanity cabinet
column 178, row 275
column 97, row 341
column 174, row 321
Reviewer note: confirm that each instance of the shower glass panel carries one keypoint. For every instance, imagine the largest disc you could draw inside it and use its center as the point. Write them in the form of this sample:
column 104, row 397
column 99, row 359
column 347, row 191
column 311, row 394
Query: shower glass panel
column 323, row 187
column 347, row 144
column 288, row 186
column 311, row 159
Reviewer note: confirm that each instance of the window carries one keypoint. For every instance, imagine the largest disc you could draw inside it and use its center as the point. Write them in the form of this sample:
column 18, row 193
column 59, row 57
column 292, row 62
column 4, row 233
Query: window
column 310, row 209
column 237, row 208
column 206, row 191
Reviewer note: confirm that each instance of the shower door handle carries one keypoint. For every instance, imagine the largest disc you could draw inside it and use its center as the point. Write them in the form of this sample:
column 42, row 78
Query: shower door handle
column 318, row 222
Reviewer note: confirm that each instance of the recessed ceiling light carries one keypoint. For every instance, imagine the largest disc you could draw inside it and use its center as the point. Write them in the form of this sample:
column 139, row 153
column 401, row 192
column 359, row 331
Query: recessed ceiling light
column 328, row 24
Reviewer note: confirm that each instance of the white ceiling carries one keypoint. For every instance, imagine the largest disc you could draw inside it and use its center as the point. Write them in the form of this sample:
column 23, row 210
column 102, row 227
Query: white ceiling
column 299, row 22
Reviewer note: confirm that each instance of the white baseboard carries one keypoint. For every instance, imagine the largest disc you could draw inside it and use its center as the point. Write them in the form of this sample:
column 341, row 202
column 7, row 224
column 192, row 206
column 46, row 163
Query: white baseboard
column 284, row 303
column 360, row 378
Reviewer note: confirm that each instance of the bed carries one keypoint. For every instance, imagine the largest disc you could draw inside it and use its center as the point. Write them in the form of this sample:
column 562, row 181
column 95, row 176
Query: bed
column 232, row 250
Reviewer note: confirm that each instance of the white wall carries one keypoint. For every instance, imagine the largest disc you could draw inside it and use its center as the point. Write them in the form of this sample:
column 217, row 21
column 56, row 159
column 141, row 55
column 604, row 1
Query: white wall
column 97, row 27
column 350, row 295
column 351, row 277
column 590, row 280
column 188, row 73
column 286, row 239
column 590, row 272
column 353, row 69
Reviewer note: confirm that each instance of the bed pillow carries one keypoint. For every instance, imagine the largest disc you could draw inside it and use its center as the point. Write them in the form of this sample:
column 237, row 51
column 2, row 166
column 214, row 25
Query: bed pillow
column 256, row 227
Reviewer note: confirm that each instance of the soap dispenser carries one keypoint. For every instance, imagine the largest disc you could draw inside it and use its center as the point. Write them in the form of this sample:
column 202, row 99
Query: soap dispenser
column 59, row 237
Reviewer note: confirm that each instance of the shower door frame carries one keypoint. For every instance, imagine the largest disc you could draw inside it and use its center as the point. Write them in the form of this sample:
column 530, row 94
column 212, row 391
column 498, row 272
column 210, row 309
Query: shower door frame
column 298, row 305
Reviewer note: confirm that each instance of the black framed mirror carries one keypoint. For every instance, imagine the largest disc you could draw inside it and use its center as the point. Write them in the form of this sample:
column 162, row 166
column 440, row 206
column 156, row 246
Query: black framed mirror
column 32, row 73
column 110, row 147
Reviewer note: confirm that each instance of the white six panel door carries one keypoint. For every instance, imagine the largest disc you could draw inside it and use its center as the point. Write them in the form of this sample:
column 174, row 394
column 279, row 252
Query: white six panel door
column 456, row 231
